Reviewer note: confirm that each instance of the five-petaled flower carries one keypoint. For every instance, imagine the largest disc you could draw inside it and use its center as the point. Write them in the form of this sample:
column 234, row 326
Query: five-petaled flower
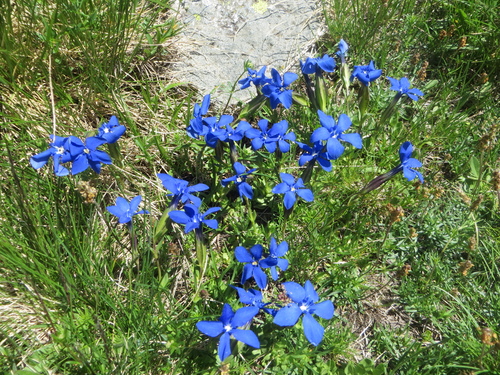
column 85, row 154
column 291, row 188
column 254, row 262
column 125, row 210
column 316, row 153
column 276, row 90
column 254, row 297
column 304, row 303
column 366, row 73
column 315, row 65
column 227, row 325
column 408, row 163
column 276, row 252
column 244, row 188
column 193, row 219
column 333, row 132
column 258, row 78
column 402, row 86
column 406, row 166
column 269, row 138
column 181, row 192
column 197, row 126
column 111, row 131
column 58, row 148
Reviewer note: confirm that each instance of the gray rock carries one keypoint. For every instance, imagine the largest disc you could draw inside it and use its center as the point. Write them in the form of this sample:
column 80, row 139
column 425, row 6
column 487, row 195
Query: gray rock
column 218, row 36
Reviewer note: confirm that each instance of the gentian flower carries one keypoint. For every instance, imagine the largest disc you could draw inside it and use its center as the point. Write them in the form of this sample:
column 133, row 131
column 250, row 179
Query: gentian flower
column 342, row 52
column 318, row 64
column 254, row 298
column 304, row 303
column 111, row 131
column 272, row 137
column 315, row 153
column 276, row 89
column 86, row 154
column 402, row 86
column 291, row 188
column 181, row 192
column 196, row 126
column 366, row 73
column 332, row 133
column 244, row 189
column 406, row 166
column 275, row 252
column 227, row 133
column 252, row 267
column 257, row 78
column 227, row 325
column 58, row 148
column 408, row 163
column 193, row 219
column 125, row 210
column 216, row 129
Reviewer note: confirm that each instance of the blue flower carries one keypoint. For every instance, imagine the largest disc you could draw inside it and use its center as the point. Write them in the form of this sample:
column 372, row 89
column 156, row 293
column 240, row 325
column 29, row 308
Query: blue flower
column 332, row 133
column 402, row 86
column 304, row 303
column 315, row 153
column 194, row 219
column 257, row 78
column 228, row 133
column 366, row 73
column 58, row 148
column 84, row 155
column 408, row 163
column 111, row 131
column 181, row 192
column 196, row 126
column 254, row 298
column 291, row 188
column 125, row 210
column 227, row 325
column 244, row 189
column 315, row 65
column 276, row 89
column 275, row 253
column 271, row 138
column 252, row 267
column 216, row 129
column 343, row 48
column 406, row 166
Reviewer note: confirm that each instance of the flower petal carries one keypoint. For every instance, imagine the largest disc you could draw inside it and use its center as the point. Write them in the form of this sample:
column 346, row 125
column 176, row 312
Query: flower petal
column 312, row 329
column 224, row 350
column 334, row 148
column 310, row 292
column 353, row 138
column 324, row 309
column 288, row 315
column 244, row 315
column 246, row 336
column 295, row 291
column 212, row 329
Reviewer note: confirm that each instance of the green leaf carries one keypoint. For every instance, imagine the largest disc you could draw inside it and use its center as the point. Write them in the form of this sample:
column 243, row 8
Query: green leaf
column 474, row 168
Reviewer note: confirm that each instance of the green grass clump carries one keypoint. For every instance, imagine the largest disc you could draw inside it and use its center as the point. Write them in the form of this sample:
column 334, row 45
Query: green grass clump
column 412, row 268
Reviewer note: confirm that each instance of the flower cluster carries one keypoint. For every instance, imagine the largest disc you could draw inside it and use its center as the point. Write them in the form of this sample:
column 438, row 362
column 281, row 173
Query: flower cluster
column 327, row 144
column 304, row 301
column 82, row 154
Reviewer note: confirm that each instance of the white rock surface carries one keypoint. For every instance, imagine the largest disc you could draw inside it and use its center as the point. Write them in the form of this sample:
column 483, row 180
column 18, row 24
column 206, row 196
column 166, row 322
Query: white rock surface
column 220, row 35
